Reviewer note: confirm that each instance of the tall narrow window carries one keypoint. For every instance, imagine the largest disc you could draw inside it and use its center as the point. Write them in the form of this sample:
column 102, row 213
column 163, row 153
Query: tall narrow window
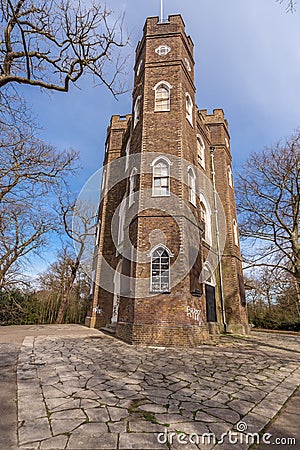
column 162, row 96
column 137, row 111
column 103, row 179
column 192, row 186
column 230, row 178
column 235, row 233
column 121, row 221
column 132, row 186
column 189, row 108
column 161, row 178
column 201, row 151
column 160, row 270
column 127, row 152
column 205, row 218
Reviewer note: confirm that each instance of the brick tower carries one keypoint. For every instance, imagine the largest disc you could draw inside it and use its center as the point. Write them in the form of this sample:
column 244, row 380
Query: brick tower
column 167, row 267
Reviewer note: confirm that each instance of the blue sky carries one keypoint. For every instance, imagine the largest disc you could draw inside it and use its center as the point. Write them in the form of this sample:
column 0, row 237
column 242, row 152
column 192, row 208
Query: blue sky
column 247, row 62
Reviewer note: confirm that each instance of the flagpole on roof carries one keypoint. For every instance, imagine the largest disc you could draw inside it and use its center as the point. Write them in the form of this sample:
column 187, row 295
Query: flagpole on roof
column 161, row 11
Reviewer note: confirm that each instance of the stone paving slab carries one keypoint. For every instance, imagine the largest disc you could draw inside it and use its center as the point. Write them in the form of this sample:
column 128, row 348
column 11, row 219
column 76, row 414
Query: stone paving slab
column 75, row 392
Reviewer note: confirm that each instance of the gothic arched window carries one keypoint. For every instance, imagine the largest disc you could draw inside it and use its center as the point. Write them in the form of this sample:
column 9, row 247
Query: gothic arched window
column 160, row 269
column 205, row 218
column 189, row 108
column 127, row 152
column 121, row 221
column 230, row 178
column 161, row 177
column 235, row 233
column 132, row 186
column 137, row 111
column 201, row 151
column 162, row 96
column 192, row 186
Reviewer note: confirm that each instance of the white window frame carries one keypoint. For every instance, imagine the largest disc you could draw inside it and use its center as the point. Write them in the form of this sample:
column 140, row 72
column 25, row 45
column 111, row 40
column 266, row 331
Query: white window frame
column 168, row 87
column 235, row 233
column 132, row 182
column 155, row 163
column 137, row 111
column 208, row 268
column 170, row 254
column 189, row 108
column 103, row 179
column 230, row 176
column 201, row 151
column 192, row 186
column 127, row 153
column 163, row 50
column 122, row 210
column 187, row 64
column 138, row 71
column 208, row 221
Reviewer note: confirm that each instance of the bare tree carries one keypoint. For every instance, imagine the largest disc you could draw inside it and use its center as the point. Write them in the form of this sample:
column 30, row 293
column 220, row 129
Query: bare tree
column 269, row 204
column 52, row 44
column 56, row 286
column 290, row 4
column 31, row 173
column 79, row 221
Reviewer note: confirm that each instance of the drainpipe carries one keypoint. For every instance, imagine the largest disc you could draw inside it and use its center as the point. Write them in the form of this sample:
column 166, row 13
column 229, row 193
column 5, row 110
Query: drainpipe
column 212, row 149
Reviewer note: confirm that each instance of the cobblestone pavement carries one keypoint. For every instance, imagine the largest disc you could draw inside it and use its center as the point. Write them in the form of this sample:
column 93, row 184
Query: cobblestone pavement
column 86, row 393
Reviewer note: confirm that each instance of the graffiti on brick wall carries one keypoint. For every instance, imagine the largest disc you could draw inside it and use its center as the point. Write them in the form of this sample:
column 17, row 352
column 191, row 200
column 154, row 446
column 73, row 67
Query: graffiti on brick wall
column 195, row 314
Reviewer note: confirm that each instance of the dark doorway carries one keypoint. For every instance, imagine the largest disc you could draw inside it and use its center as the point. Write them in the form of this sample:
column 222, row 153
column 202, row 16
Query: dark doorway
column 211, row 312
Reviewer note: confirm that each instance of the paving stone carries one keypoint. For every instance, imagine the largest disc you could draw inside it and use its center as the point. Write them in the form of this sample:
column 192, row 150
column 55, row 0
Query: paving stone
column 68, row 414
column 62, row 404
column 241, row 406
column 65, row 426
column 97, row 414
column 226, row 414
column 34, row 430
column 153, row 408
column 117, row 427
column 145, row 426
column 30, row 408
column 140, row 441
column 57, row 443
column 92, row 436
column 117, row 414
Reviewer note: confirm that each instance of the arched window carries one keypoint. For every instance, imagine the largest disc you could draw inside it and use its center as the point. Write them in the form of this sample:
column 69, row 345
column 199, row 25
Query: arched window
column 127, row 152
column 161, row 177
column 132, row 186
column 137, row 111
column 121, row 221
column 230, row 178
column 235, row 233
column 189, row 108
column 201, row 151
column 192, row 186
column 208, row 276
column 205, row 218
column 103, row 179
column 160, row 269
column 139, row 68
column 162, row 96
